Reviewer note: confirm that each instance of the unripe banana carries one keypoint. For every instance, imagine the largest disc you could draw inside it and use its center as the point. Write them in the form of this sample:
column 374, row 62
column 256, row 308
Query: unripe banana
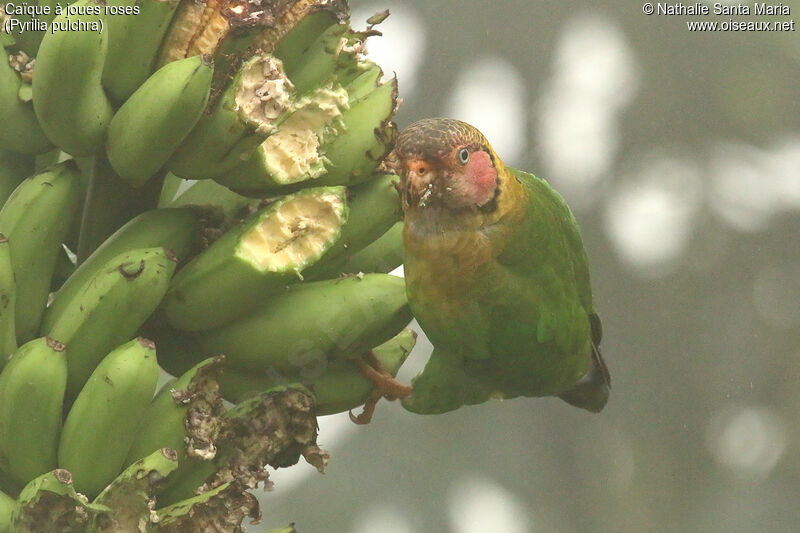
column 7, row 505
column 130, row 495
column 263, row 254
column 31, row 397
column 68, row 96
column 8, row 302
column 309, row 323
column 250, row 109
column 210, row 194
column 174, row 229
column 14, row 167
column 21, row 131
column 292, row 47
column 364, row 78
column 318, row 60
column 383, row 255
column 338, row 386
column 374, row 208
column 50, row 501
column 36, row 219
column 106, row 415
column 109, row 308
column 157, row 118
column 184, row 416
column 133, row 44
column 367, row 137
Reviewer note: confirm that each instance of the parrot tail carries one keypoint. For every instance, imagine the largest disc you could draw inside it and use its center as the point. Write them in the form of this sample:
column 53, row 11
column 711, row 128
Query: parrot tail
column 592, row 390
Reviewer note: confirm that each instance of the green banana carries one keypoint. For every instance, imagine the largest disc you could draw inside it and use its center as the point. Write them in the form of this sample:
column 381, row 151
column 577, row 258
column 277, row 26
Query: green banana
column 318, row 60
column 374, row 208
column 7, row 506
column 309, row 323
column 68, row 95
column 21, row 131
column 210, row 194
column 219, row 509
column 36, row 219
column 108, row 410
column 297, row 42
column 383, row 255
column 130, row 495
column 50, row 501
column 249, row 110
column 133, row 44
column 157, row 117
column 290, row 158
column 174, row 229
column 368, row 136
column 8, row 302
column 14, row 167
column 338, row 386
column 184, row 416
column 31, row 397
column 364, row 77
column 109, row 308
column 259, row 257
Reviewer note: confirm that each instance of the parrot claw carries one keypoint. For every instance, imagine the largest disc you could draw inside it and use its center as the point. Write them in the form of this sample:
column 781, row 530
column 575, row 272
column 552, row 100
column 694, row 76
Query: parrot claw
column 386, row 386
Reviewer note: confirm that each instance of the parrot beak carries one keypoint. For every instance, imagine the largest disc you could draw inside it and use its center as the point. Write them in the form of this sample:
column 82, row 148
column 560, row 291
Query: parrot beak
column 419, row 179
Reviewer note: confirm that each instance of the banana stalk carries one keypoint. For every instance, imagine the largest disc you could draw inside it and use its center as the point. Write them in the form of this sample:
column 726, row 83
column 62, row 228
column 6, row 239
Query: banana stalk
column 259, row 257
column 109, row 409
column 222, row 508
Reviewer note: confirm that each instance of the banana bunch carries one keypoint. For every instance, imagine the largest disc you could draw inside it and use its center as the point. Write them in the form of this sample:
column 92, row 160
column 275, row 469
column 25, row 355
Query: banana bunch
column 199, row 178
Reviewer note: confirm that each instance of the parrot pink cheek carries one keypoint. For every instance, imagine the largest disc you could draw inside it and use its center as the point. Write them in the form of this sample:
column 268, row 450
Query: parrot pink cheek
column 481, row 176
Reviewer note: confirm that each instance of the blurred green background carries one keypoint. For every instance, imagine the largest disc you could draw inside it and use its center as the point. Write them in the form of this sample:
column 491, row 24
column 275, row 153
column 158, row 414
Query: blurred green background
column 680, row 154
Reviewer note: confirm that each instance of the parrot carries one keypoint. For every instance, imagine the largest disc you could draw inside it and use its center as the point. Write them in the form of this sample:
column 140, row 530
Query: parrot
column 496, row 275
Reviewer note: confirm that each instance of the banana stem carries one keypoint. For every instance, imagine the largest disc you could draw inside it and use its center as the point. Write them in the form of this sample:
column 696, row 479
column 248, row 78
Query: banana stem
column 110, row 202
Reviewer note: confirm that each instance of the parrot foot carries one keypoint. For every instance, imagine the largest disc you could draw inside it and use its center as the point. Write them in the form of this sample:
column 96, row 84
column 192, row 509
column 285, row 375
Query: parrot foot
column 386, row 386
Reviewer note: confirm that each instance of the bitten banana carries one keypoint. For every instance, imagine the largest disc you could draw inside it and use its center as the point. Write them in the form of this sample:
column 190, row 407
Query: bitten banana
column 129, row 496
column 133, row 43
column 306, row 324
column 263, row 254
column 338, row 386
column 20, row 130
column 174, row 229
column 68, row 96
column 374, row 208
column 249, row 110
column 31, row 397
column 157, row 118
column 50, row 501
column 36, row 219
column 109, row 308
column 184, row 416
column 106, row 415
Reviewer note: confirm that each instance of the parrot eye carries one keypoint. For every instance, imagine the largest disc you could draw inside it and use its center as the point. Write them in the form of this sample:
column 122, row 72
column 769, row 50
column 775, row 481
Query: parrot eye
column 463, row 156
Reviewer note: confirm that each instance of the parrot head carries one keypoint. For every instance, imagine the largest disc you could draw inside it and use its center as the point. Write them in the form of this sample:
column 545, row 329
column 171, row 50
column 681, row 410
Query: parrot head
column 446, row 163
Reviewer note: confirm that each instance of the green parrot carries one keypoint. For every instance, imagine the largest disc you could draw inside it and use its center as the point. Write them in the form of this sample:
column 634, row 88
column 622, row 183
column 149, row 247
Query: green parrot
column 496, row 275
